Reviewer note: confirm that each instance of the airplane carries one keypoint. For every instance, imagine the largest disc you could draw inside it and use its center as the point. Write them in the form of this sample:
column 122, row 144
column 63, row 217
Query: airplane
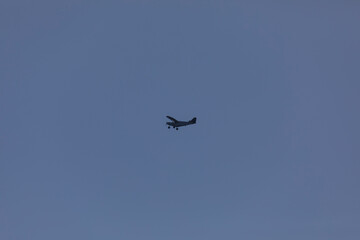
column 176, row 124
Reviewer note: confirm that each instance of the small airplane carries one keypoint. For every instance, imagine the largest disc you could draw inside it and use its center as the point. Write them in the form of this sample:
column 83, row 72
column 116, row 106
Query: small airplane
column 176, row 124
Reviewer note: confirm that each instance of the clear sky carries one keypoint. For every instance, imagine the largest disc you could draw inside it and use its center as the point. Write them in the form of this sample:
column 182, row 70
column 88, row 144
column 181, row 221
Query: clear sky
column 85, row 87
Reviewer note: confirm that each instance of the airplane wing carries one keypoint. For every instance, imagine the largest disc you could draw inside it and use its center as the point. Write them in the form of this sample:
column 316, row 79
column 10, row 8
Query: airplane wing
column 172, row 119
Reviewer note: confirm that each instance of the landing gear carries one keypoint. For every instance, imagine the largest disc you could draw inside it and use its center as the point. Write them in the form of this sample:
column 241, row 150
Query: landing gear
column 168, row 127
column 177, row 128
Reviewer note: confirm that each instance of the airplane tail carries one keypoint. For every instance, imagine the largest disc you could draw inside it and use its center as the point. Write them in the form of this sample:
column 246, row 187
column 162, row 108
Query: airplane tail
column 193, row 121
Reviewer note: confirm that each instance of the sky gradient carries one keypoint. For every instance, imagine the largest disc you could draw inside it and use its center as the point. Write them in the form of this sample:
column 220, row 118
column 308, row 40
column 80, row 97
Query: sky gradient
column 85, row 87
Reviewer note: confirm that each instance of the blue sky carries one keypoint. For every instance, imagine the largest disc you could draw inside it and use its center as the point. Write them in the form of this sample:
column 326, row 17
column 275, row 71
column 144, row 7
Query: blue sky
column 85, row 87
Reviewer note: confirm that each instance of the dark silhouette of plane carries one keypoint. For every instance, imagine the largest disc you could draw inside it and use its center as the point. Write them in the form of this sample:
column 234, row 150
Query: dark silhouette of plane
column 176, row 124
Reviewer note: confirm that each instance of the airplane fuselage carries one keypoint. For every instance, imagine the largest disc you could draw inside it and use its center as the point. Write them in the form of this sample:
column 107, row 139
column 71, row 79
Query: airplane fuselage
column 178, row 124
